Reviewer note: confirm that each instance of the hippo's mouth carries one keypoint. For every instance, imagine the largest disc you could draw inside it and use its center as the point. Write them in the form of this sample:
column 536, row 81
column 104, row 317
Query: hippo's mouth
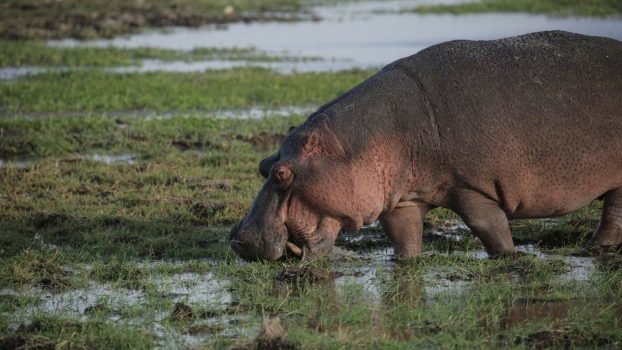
column 294, row 246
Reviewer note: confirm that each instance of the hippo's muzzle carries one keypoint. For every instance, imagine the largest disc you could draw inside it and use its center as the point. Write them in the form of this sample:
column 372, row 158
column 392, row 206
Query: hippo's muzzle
column 251, row 246
column 252, row 243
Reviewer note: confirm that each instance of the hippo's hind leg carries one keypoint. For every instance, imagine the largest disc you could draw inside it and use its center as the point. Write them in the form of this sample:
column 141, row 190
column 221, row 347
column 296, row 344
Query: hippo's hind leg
column 608, row 235
column 404, row 225
column 487, row 220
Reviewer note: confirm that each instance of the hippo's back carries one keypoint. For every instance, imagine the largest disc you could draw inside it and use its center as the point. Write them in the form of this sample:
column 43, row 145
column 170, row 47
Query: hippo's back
column 543, row 75
column 534, row 113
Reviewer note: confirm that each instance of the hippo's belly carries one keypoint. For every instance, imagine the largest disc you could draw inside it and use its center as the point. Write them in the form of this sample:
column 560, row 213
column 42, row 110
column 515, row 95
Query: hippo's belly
column 556, row 202
column 558, row 194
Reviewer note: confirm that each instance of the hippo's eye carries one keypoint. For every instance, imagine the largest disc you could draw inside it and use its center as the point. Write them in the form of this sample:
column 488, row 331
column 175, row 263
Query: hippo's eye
column 283, row 176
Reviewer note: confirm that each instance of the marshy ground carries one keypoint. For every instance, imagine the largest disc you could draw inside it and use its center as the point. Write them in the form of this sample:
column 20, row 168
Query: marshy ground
column 118, row 191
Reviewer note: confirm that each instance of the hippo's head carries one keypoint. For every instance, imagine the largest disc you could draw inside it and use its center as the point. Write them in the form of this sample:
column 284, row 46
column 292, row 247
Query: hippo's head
column 310, row 193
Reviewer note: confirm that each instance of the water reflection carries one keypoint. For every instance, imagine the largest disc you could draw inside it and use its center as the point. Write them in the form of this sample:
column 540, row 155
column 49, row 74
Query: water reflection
column 356, row 34
column 362, row 34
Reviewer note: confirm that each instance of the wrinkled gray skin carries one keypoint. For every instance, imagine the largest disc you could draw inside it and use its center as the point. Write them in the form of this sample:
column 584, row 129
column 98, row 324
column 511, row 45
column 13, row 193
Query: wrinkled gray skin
column 522, row 127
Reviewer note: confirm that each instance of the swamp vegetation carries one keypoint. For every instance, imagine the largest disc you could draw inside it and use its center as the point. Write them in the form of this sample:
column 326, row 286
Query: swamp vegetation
column 118, row 191
column 119, row 203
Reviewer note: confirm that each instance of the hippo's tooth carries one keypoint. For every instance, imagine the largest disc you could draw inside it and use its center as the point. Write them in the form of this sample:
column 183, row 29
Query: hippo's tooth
column 294, row 249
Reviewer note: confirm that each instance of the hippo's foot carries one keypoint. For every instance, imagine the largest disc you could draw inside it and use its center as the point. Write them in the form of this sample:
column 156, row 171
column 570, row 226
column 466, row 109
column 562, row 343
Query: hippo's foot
column 607, row 239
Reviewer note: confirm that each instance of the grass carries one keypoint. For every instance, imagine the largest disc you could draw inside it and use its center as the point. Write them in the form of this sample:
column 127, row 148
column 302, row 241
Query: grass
column 58, row 332
column 95, row 91
column 71, row 223
column 598, row 8
column 183, row 162
column 487, row 313
column 35, row 53
column 133, row 253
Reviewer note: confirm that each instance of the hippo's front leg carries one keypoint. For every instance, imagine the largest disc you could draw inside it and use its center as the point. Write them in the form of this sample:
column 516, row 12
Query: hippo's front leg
column 487, row 220
column 404, row 225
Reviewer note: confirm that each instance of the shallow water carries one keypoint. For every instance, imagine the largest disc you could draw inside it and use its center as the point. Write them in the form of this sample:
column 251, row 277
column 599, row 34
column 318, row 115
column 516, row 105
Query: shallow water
column 190, row 288
column 199, row 290
column 256, row 112
column 110, row 159
column 373, row 271
column 10, row 73
column 356, row 35
column 366, row 34
column 17, row 163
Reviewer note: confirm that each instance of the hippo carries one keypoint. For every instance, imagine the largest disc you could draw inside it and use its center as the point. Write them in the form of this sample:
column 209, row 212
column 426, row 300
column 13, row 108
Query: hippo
column 521, row 127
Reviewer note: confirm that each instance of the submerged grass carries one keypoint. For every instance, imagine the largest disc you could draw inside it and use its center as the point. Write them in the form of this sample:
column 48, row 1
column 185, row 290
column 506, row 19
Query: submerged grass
column 507, row 303
column 551, row 7
column 39, row 268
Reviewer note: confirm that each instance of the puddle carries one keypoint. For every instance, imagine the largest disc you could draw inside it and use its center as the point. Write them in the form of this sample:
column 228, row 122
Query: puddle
column 197, row 290
column 373, row 272
column 74, row 303
column 368, row 272
column 194, row 289
column 153, row 65
column 11, row 73
column 190, row 288
column 528, row 311
column 200, row 66
column 38, row 238
column 581, row 268
column 338, row 37
column 452, row 229
column 17, row 163
column 256, row 112
column 109, row 159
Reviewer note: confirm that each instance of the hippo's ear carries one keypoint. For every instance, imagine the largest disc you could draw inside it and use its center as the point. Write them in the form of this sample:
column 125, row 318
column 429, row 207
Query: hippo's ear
column 266, row 164
column 322, row 141
column 311, row 144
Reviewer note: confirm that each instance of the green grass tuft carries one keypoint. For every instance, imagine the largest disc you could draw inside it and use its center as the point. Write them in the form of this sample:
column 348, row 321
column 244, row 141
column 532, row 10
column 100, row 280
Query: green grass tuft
column 96, row 91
